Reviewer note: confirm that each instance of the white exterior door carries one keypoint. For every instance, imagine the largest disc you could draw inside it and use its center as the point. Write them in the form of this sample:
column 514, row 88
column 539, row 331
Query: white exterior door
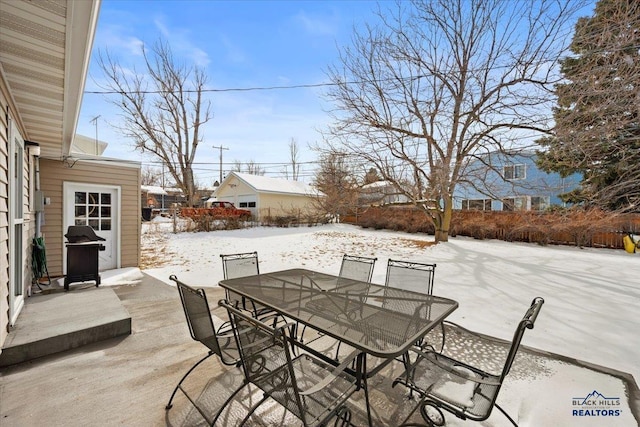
column 97, row 206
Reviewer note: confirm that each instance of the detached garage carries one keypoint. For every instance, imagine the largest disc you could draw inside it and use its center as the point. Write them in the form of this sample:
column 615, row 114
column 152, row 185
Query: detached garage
column 267, row 197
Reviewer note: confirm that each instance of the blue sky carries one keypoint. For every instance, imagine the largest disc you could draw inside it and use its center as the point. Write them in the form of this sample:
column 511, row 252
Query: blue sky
column 241, row 44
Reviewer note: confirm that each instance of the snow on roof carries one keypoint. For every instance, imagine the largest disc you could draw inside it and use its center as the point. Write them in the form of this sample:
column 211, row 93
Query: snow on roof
column 153, row 189
column 275, row 185
column 377, row 184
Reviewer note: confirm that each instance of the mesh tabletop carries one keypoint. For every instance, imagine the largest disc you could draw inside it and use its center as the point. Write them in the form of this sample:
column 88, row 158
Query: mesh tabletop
column 381, row 321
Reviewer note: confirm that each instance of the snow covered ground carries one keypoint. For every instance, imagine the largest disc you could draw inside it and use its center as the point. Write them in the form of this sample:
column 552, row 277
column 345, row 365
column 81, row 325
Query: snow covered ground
column 591, row 295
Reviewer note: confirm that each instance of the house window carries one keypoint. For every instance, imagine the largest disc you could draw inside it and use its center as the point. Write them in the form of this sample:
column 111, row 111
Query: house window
column 243, row 204
column 539, row 203
column 476, row 204
column 514, row 204
column 252, row 205
column 515, row 172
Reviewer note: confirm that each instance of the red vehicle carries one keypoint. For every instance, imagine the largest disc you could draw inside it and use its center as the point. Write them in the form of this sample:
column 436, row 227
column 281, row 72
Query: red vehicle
column 218, row 210
column 227, row 209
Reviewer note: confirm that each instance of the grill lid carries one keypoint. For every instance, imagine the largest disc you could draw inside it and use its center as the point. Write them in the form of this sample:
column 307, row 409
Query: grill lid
column 81, row 234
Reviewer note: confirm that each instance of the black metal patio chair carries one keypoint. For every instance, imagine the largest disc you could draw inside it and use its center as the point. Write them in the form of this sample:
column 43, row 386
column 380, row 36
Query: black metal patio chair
column 467, row 390
column 419, row 275
column 357, row 267
column 352, row 267
column 306, row 386
column 242, row 265
column 220, row 341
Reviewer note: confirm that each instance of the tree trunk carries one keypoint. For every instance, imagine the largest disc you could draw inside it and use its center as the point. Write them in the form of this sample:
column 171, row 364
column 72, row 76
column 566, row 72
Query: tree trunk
column 442, row 221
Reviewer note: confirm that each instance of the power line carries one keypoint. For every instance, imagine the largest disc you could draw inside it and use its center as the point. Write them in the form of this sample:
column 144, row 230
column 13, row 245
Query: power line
column 471, row 70
column 236, row 89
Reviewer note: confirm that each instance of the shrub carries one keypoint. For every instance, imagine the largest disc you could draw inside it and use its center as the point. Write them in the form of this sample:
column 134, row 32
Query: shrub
column 573, row 226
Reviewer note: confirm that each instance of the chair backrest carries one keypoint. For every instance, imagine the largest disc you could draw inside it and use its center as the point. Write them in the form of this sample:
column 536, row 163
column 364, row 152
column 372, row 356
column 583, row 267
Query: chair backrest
column 266, row 359
column 198, row 315
column 357, row 267
column 527, row 322
column 240, row 265
column 419, row 275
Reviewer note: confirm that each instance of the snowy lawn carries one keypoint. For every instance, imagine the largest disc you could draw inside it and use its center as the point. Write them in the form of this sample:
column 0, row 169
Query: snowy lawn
column 591, row 295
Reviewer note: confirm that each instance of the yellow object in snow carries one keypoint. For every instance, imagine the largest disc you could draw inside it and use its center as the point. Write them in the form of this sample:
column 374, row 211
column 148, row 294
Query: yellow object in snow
column 629, row 244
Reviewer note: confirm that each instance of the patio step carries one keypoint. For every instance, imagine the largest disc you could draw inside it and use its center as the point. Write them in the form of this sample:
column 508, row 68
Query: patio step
column 55, row 322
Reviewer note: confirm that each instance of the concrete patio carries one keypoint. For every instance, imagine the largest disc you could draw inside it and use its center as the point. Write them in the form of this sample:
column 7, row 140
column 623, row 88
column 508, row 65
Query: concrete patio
column 127, row 380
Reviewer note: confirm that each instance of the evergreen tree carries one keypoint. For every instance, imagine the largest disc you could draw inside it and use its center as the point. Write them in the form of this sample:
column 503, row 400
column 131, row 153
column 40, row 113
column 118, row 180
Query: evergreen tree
column 371, row 176
column 597, row 115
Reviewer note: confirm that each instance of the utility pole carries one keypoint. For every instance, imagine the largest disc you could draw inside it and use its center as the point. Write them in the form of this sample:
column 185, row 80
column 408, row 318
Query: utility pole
column 221, row 148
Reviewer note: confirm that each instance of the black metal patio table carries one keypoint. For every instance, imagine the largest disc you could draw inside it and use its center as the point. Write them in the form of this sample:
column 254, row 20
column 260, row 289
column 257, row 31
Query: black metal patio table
column 376, row 320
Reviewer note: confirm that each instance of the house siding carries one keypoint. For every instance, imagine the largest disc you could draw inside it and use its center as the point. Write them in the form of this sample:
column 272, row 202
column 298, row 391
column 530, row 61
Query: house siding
column 535, row 183
column 284, row 205
column 268, row 203
column 233, row 189
column 28, row 227
column 55, row 173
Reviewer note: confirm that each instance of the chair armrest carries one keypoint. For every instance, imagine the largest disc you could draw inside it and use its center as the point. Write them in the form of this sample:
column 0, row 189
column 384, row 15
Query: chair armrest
column 332, row 375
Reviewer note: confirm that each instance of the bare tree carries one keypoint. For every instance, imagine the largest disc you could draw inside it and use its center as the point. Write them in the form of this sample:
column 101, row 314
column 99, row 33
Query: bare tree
column 150, row 176
column 294, row 157
column 250, row 167
column 162, row 109
column 337, row 183
column 440, row 82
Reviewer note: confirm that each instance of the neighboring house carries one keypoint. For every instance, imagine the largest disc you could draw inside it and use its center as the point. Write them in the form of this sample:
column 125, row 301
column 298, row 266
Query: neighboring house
column 160, row 198
column 506, row 182
column 380, row 193
column 266, row 197
column 86, row 145
column 47, row 180
column 153, row 196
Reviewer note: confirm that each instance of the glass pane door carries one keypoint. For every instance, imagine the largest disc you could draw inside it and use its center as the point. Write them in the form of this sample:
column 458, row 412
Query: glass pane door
column 93, row 209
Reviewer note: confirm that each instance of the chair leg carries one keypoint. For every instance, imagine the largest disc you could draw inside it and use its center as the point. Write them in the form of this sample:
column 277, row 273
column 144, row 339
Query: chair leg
column 343, row 417
column 226, row 402
column 431, row 413
column 506, row 415
column 304, row 328
column 338, row 351
column 175, row 390
column 253, row 409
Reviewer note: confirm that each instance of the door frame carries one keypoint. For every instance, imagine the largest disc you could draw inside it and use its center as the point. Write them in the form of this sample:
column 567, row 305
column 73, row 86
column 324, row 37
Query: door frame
column 16, row 244
column 116, row 217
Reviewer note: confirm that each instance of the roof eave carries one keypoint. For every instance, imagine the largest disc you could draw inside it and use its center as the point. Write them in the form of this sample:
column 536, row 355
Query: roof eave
column 82, row 20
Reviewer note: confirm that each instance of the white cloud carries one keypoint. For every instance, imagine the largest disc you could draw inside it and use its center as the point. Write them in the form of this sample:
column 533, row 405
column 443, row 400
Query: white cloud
column 233, row 52
column 316, row 25
column 180, row 41
column 114, row 39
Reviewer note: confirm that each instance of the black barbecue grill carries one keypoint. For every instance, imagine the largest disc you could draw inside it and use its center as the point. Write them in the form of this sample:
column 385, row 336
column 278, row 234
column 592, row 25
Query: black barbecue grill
column 82, row 255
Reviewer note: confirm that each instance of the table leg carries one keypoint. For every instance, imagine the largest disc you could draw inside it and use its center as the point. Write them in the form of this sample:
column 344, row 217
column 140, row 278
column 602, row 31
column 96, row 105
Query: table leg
column 361, row 376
